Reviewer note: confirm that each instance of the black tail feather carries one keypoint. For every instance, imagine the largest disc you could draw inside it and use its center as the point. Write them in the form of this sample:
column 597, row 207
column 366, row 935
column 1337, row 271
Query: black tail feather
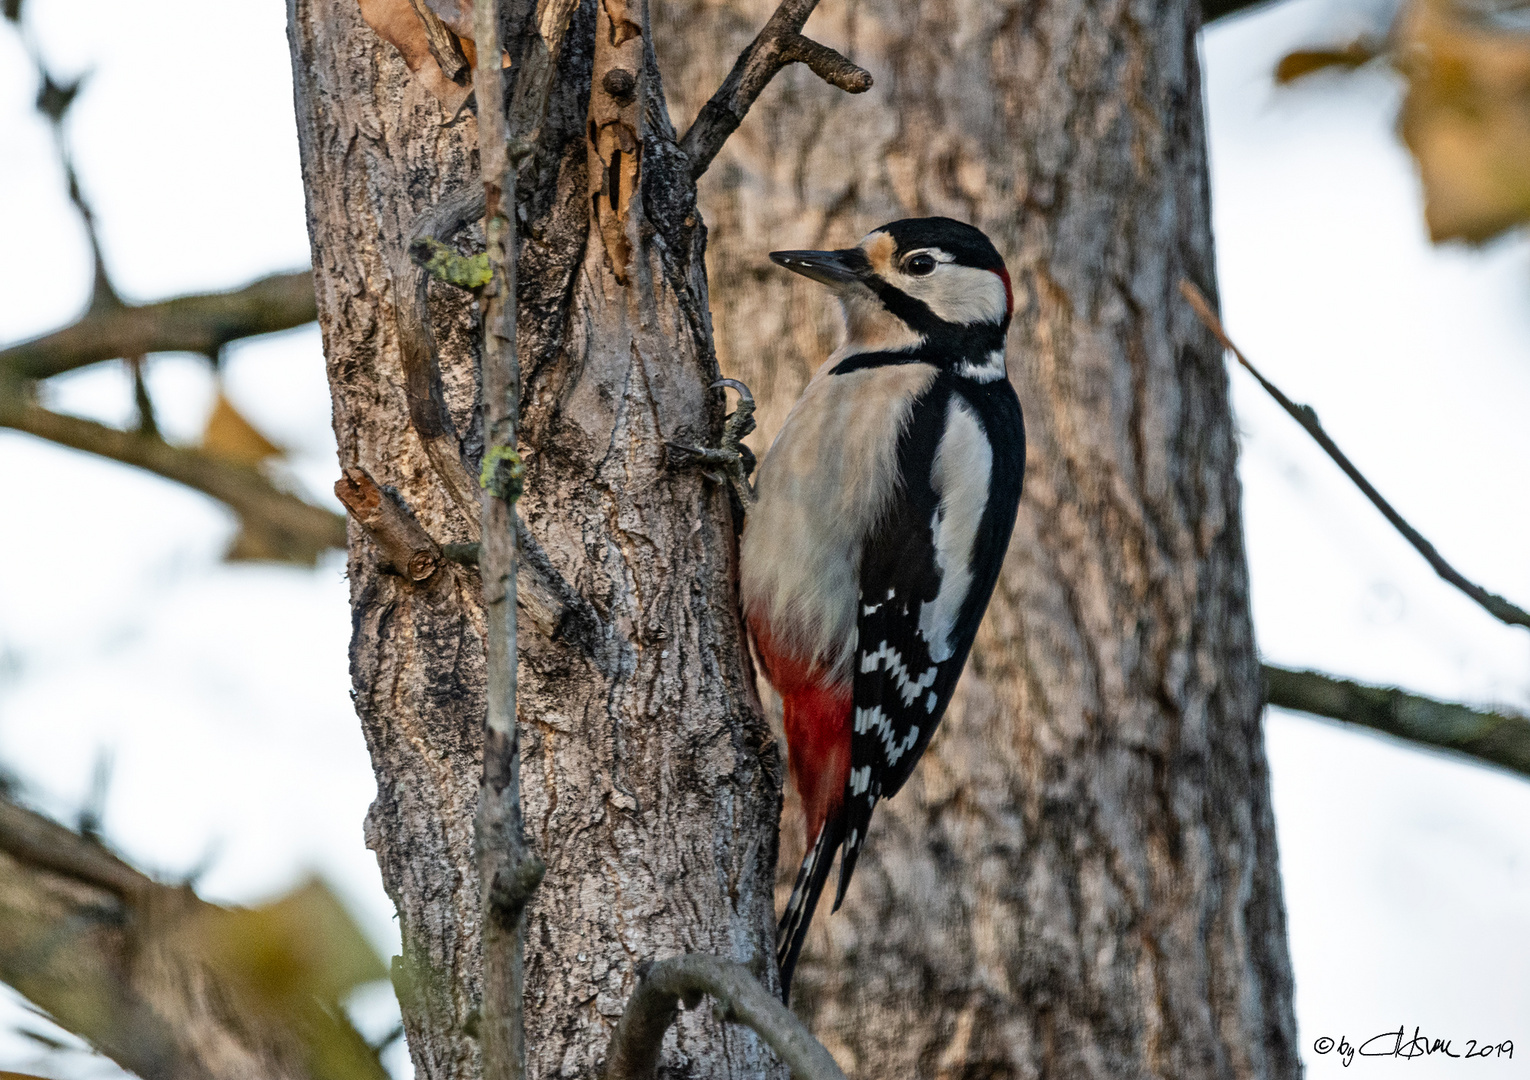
column 793, row 927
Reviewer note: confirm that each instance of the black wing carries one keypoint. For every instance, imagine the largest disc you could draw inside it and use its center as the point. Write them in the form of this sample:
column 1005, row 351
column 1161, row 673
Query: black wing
column 907, row 660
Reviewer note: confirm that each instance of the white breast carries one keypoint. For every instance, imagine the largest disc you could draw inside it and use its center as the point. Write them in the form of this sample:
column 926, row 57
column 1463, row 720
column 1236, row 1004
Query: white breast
column 826, row 480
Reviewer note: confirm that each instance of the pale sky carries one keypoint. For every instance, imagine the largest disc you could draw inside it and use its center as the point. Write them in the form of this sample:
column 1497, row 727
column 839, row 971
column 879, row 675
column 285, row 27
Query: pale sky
column 222, row 691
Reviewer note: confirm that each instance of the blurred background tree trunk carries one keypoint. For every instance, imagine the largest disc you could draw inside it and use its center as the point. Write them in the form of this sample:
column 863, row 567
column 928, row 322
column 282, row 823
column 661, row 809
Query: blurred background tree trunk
column 1081, row 878
column 650, row 781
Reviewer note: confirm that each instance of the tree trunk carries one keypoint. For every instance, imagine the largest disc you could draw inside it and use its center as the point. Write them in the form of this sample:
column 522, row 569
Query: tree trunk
column 1081, row 878
column 651, row 783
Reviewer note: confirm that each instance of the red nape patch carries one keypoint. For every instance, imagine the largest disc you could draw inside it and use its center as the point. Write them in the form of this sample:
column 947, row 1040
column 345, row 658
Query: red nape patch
column 1009, row 292
column 816, row 714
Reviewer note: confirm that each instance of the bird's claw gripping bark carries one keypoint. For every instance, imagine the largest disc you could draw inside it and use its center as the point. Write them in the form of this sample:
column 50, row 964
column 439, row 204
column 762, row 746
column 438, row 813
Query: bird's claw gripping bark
column 730, row 461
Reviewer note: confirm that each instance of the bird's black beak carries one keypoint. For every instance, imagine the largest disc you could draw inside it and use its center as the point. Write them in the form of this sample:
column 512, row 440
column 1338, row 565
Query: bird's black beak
column 829, row 267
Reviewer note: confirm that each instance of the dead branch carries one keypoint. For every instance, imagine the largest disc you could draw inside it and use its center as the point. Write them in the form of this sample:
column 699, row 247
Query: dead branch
column 202, row 323
column 1490, row 738
column 1304, row 415
column 167, row 985
column 273, row 523
column 780, row 43
column 404, row 545
column 740, row 999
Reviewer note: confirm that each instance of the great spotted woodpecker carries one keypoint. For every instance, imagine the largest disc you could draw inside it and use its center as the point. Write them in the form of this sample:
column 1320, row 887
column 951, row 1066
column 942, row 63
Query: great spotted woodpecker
column 881, row 517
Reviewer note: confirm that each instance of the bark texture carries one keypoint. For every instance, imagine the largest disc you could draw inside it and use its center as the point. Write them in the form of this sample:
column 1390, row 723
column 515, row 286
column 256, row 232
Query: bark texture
column 1081, row 878
column 649, row 776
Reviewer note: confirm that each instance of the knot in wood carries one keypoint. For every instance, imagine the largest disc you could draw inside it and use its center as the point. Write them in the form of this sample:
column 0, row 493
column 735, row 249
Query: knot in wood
column 620, row 84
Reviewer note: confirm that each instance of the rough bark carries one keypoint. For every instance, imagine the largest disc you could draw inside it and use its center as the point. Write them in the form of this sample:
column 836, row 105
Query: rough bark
column 649, row 778
column 1081, row 878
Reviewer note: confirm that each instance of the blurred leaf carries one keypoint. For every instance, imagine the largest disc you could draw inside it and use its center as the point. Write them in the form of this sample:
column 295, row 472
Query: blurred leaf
column 230, row 436
column 1466, row 118
column 1304, row 62
column 13, row 13
column 305, row 945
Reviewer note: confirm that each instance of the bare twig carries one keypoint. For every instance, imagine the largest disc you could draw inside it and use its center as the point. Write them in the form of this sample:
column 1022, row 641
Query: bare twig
column 404, row 545
column 167, row 985
column 202, row 323
column 1494, row 604
column 1491, row 738
column 780, row 43
column 274, row 524
column 740, row 999
column 147, row 425
column 509, row 871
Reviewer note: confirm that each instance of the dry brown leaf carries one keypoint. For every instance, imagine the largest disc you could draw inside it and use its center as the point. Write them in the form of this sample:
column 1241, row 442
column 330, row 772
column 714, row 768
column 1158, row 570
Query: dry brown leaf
column 397, row 23
column 1466, row 119
column 231, row 437
column 1304, row 62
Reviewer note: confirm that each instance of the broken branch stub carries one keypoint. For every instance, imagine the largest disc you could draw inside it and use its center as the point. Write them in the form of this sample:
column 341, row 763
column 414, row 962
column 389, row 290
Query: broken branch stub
column 404, row 546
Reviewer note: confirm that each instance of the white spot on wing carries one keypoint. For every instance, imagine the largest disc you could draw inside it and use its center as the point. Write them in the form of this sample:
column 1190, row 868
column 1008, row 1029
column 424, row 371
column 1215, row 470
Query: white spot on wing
column 874, row 719
column 908, row 688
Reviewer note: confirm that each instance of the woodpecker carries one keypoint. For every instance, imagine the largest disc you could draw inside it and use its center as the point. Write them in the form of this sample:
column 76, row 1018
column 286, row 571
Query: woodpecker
column 880, row 519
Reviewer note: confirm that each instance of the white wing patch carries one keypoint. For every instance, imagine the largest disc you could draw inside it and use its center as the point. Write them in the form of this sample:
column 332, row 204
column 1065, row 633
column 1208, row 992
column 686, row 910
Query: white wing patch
column 960, row 474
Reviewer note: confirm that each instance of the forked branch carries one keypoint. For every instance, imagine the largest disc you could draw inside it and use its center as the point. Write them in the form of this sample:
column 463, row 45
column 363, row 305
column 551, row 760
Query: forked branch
column 1304, row 415
column 780, row 43
column 740, row 999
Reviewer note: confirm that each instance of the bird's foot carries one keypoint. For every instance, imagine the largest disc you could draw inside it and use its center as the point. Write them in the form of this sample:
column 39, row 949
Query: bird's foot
column 730, row 461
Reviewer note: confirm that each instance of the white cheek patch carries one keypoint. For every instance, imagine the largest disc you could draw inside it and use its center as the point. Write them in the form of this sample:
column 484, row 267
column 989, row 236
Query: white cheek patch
column 963, row 295
column 962, row 468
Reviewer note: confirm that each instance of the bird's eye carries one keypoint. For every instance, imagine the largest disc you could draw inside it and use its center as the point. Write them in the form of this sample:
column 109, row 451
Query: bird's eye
column 920, row 265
